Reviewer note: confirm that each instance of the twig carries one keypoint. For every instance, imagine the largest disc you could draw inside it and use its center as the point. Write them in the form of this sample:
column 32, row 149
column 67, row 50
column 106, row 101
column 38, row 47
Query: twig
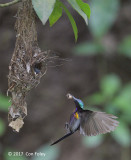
column 9, row 3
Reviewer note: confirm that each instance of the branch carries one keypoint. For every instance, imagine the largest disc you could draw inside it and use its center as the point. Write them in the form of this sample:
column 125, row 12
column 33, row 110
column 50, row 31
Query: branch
column 10, row 3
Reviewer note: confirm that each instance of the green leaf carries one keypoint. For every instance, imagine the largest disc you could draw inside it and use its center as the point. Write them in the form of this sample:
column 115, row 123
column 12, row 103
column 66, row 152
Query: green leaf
column 103, row 15
column 96, row 99
column 92, row 142
column 111, row 109
column 51, row 153
column 122, row 104
column 123, row 100
column 122, row 135
column 43, row 8
column 110, row 85
column 72, row 21
column 2, row 127
column 85, row 7
column 4, row 103
column 126, row 117
column 75, row 5
column 88, row 49
column 56, row 14
column 125, row 47
column 13, row 157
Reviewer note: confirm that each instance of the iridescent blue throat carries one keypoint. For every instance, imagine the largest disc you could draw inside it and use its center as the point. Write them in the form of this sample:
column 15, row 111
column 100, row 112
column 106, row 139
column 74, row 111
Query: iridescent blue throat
column 79, row 101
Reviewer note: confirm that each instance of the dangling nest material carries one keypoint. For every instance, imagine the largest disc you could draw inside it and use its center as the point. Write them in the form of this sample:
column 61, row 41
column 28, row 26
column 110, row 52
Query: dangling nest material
column 28, row 64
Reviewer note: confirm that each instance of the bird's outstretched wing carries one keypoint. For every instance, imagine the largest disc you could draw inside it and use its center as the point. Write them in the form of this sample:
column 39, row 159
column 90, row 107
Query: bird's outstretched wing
column 65, row 136
column 94, row 123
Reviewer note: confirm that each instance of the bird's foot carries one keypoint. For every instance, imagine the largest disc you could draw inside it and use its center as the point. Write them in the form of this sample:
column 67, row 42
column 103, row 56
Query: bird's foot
column 67, row 127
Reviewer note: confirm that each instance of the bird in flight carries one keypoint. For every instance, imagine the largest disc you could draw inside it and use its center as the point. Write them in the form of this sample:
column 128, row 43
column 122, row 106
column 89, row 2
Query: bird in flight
column 87, row 122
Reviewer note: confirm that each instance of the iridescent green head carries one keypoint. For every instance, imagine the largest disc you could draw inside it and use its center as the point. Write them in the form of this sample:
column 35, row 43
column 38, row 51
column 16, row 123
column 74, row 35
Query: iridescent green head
column 81, row 104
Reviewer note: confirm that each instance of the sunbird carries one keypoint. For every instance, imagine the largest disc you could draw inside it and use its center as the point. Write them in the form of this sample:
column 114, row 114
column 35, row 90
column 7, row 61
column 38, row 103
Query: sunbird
column 87, row 122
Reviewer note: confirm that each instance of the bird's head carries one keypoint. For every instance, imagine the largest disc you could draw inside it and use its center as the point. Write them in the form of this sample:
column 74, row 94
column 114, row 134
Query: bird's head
column 69, row 96
column 77, row 101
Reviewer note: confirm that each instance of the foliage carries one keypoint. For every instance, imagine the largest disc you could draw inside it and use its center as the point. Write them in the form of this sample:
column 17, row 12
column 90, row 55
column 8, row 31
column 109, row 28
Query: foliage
column 92, row 142
column 116, row 100
column 89, row 48
column 43, row 9
column 2, row 127
column 72, row 21
column 122, row 135
column 11, row 157
column 4, row 103
column 52, row 10
column 51, row 153
column 103, row 16
column 110, row 85
column 125, row 46
column 56, row 13
column 75, row 5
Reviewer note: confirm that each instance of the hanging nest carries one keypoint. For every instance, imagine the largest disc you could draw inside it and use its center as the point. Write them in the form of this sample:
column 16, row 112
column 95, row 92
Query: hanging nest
column 28, row 64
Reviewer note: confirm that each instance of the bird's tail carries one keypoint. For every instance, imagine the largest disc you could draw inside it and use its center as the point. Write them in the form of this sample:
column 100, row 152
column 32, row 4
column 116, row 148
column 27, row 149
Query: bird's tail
column 65, row 136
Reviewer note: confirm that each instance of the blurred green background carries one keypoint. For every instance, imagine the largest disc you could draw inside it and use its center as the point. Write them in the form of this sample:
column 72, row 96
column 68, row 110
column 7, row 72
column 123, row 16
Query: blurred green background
column 98, row 72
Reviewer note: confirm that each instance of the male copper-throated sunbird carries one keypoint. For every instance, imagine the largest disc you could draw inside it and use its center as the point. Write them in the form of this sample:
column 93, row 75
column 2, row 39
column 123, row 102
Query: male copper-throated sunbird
column 90, row 123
